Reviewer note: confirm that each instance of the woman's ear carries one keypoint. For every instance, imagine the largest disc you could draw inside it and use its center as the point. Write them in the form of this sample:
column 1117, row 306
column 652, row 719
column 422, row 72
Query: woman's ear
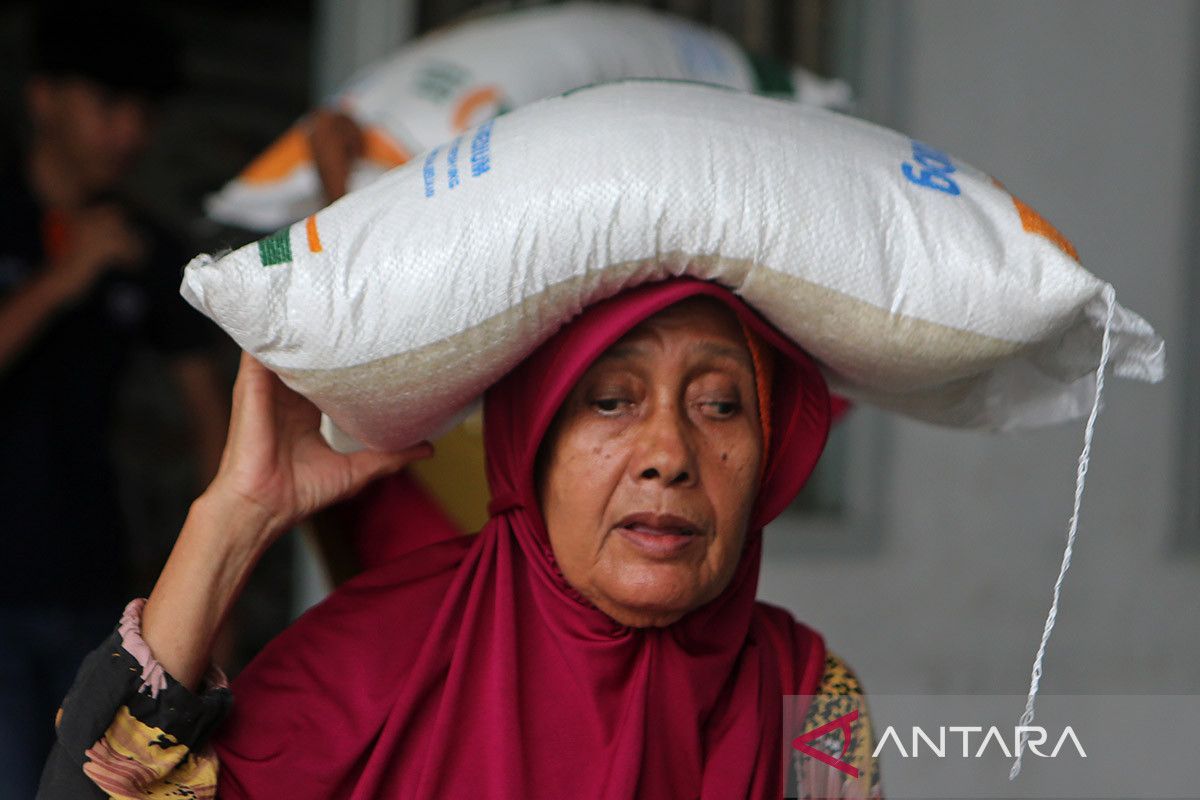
column 545, row 453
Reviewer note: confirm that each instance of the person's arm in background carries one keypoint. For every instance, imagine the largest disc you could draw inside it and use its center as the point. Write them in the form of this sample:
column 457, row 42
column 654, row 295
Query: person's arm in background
column 98, row 239
column 336, row 142
column 276, row 469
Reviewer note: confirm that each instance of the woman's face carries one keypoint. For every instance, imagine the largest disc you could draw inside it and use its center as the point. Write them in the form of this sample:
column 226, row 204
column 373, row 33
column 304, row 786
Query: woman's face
column 649, row 472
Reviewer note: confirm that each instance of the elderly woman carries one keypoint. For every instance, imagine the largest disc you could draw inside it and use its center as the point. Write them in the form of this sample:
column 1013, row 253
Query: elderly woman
column 599, row 637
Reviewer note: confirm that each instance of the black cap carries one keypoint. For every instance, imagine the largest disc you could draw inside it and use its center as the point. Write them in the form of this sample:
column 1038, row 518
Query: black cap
column 126, row 47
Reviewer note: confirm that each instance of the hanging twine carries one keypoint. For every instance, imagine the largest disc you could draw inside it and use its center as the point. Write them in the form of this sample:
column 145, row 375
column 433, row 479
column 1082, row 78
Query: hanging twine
column 1110, row 300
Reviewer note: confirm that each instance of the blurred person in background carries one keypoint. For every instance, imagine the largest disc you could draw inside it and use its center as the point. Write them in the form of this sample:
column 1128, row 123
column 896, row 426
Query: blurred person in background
column 84, row 280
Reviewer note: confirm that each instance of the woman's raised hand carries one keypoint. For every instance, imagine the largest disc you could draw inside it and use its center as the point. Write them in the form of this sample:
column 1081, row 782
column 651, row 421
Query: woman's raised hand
column 276, row 470
column 276, row 464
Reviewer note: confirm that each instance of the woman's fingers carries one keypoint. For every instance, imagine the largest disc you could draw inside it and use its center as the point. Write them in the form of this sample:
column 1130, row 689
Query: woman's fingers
column 266, row 409
column 368, row 465
column 276, row 455
column 252, row 398
column 323, row 476
column 250, row 373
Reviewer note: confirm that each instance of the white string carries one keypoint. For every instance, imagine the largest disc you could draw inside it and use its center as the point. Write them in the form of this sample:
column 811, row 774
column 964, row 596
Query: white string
column 1110, row 299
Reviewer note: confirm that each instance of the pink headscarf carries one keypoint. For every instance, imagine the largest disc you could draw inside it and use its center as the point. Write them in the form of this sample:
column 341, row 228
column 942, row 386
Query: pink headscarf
column 471, row 669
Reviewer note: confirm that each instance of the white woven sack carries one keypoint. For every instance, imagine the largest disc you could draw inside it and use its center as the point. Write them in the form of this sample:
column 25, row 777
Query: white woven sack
column 918, row 283
column 453, row 79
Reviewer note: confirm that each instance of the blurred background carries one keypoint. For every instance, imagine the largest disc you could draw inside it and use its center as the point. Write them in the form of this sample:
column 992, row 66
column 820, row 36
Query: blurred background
column 925, row 556
column 1089, row 111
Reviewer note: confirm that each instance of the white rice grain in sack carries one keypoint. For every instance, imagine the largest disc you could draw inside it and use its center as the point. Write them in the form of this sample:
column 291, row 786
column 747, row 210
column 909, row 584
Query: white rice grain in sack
column 917, row 281
column 450, row 80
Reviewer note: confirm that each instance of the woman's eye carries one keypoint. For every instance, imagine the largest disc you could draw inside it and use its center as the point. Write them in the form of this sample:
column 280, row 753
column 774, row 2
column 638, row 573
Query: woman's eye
column 721, row 409
column 610, row 405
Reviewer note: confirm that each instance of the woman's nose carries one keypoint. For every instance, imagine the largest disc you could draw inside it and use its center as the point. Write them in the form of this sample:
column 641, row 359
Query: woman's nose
column 664, row 451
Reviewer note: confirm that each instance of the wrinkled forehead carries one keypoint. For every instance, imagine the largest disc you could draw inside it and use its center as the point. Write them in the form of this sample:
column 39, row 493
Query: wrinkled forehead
column 697, row 325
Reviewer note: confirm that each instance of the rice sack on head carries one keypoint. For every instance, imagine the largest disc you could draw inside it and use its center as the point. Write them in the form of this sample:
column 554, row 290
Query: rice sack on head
column 918, row 282
column 452, row 79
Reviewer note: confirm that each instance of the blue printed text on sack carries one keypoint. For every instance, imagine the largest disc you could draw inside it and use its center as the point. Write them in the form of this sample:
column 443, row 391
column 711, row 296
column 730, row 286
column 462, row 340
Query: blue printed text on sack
column 480, row 160
column 481, row 150
column 931, row 170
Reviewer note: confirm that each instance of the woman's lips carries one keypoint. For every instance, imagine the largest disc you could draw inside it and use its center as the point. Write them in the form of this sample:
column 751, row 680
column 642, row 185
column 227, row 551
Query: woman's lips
column 659, row 536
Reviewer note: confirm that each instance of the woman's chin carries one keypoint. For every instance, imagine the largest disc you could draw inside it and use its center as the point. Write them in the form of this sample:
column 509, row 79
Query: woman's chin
column 642, row 617
column 654, row 596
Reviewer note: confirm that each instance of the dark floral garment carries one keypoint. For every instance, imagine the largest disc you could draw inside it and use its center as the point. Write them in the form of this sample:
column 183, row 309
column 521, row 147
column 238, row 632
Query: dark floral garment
column 127, row 729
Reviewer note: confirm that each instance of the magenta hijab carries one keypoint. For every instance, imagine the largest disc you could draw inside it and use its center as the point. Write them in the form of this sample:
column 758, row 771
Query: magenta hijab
column 471, row 669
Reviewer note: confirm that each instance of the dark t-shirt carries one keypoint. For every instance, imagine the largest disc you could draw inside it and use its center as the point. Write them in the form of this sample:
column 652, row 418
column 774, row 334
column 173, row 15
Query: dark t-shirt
column 61, row 532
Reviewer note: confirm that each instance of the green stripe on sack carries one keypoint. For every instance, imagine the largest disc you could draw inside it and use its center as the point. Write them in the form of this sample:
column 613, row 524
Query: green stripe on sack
column 276, row 248
column 771, row 77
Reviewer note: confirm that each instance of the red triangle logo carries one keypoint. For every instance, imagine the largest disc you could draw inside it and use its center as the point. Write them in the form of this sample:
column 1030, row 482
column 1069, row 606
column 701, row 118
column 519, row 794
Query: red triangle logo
column 843, row 722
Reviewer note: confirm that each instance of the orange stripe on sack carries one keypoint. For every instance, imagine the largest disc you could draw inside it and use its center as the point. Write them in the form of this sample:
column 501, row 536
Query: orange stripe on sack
column 464, row 113
column 314, row 239
column 383, row 150
column 1033, row 222
column 285, row 154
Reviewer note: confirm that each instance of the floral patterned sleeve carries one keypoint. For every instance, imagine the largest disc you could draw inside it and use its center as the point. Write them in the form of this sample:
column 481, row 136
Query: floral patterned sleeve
column 129, row 730
column 840, row 695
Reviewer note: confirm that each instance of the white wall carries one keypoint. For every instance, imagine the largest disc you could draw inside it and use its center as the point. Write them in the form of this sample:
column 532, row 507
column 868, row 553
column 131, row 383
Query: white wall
column 350, row 34
column 1087, row 111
